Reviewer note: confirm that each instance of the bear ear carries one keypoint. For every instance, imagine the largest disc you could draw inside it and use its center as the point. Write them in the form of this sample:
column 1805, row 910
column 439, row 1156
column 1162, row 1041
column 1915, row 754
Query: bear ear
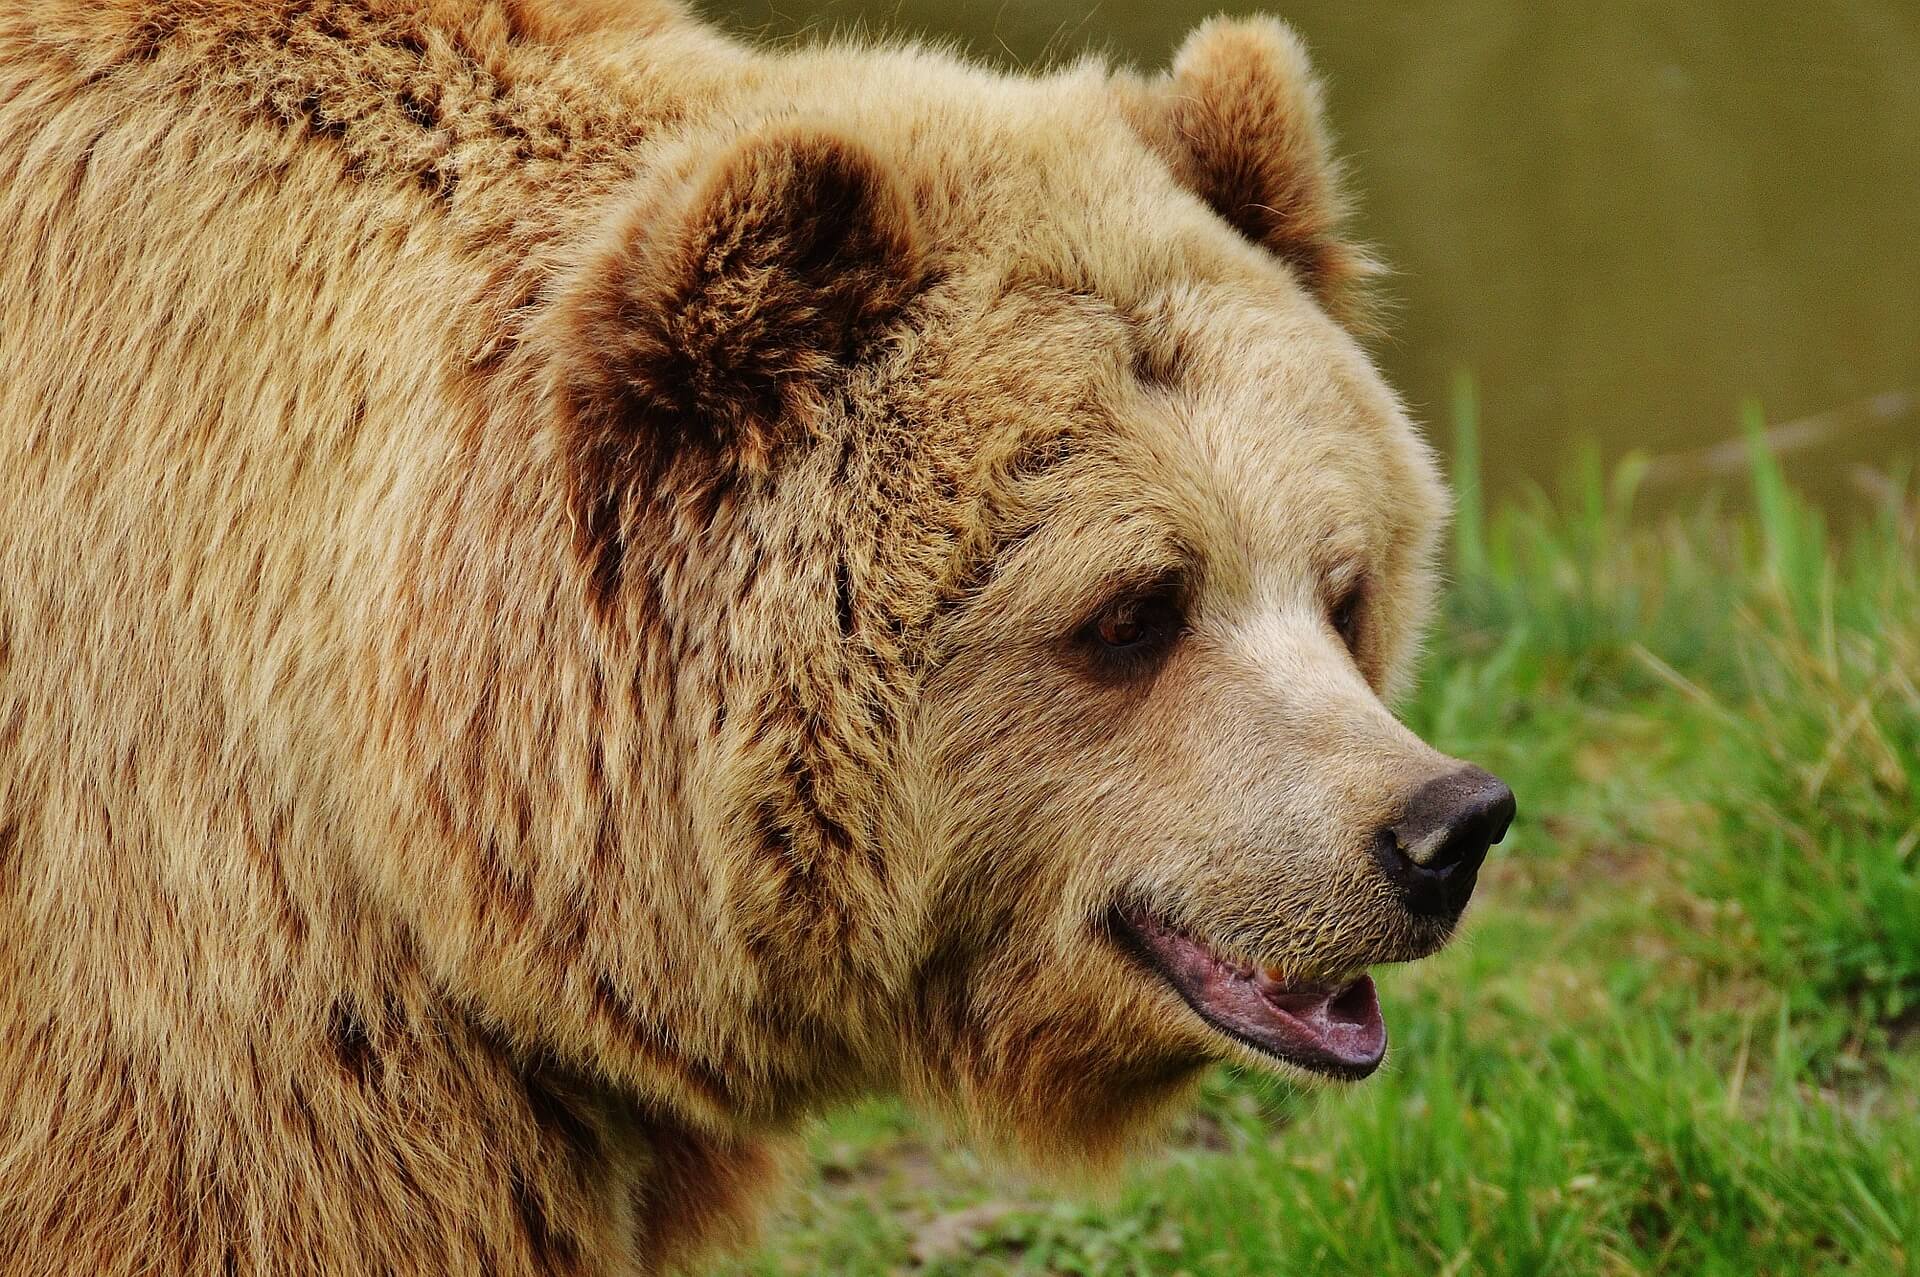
column 712, row 314
column 1239, row 120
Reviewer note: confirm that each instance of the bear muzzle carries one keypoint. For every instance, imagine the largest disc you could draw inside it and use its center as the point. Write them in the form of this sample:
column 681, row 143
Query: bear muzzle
column 1317, row 1011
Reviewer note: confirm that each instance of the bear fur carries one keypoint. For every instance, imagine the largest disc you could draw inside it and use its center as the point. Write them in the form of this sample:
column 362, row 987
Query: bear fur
column 545, row 565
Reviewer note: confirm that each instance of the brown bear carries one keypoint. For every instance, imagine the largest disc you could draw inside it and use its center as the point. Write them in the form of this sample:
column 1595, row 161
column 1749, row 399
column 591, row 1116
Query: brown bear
column 573, row 592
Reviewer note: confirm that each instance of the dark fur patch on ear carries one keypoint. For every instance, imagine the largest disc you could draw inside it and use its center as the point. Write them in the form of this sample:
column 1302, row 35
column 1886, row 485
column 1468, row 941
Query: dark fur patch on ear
column 714, row 320
column 1239, row 120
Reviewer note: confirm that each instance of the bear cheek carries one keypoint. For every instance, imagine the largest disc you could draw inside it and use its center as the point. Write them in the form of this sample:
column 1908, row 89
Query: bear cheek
column 1054, row 1056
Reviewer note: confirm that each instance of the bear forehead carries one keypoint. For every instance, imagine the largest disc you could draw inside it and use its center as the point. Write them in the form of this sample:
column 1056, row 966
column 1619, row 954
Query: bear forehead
column 1220, row 409
column 1299, row 448
column 1085, row 295
column 1086, row 265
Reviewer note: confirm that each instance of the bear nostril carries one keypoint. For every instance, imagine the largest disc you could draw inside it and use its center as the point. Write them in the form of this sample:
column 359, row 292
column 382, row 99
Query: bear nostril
column 1434, row 850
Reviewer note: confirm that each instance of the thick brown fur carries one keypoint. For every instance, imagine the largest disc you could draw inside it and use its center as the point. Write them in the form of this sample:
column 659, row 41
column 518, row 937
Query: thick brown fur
column 541, row 553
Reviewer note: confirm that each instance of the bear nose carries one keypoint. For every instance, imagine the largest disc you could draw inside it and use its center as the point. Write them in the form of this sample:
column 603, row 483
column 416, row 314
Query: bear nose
column 1434, row 850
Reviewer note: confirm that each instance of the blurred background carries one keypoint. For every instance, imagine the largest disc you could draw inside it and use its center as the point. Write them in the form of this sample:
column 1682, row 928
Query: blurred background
column 1657, row 298
column 1621, row 219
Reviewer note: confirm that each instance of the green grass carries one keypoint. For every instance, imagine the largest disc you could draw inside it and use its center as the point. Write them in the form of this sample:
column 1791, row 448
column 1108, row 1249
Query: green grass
column 1682, row 1034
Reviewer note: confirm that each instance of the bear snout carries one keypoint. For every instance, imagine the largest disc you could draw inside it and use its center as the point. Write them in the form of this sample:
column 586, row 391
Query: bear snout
column 1434, row 850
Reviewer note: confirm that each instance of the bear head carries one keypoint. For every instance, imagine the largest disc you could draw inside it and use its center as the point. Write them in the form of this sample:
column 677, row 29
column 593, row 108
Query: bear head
column 1023, row 553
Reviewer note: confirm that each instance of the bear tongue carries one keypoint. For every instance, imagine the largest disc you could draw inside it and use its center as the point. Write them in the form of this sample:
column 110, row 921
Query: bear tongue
column 1345, row 1020
column 1336, row 1030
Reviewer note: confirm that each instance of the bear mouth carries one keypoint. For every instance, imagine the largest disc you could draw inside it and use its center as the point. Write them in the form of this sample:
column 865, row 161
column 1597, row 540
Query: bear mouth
column 1329, row 1027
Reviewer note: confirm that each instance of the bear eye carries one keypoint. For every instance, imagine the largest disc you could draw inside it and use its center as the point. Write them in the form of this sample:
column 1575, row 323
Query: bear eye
column 1347, row 613
column 1135, row 631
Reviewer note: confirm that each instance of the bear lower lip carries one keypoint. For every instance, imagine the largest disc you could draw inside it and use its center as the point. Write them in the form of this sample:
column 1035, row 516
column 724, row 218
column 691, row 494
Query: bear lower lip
column 1331, row 1028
